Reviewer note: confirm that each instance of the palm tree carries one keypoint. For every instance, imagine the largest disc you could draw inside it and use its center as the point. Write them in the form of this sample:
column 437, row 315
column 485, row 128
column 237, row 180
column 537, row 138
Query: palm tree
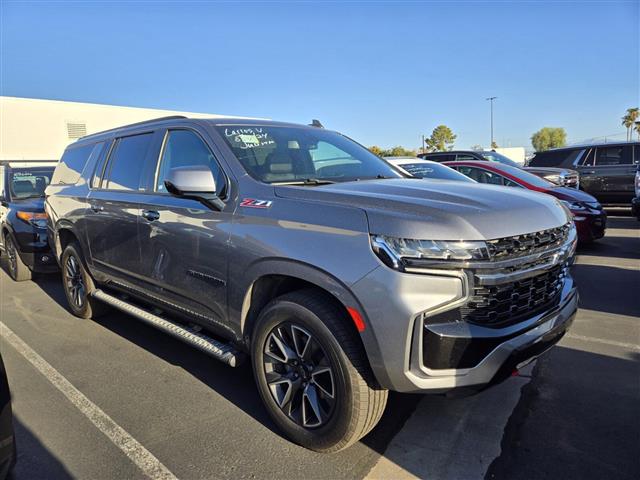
column 638, row 129
column 629, row 120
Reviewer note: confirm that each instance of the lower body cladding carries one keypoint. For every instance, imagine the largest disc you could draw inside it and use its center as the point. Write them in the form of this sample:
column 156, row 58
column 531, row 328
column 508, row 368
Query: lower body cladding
column 416, row 341
column 590, row 226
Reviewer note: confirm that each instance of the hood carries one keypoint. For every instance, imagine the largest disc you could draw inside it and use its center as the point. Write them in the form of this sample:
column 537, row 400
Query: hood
column 550, row 170
column 416, row 208
column 571, row 194
column 29, row 204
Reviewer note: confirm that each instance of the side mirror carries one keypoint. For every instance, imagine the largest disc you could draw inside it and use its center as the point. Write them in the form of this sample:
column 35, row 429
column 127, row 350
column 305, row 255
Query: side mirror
column 196, row 182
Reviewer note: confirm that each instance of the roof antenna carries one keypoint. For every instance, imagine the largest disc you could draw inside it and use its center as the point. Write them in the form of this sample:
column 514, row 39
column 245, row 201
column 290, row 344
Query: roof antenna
column 316, row 123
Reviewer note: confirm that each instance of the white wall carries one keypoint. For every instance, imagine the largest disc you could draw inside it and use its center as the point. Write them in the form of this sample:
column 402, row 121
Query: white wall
column 34, row 129
column 514, row 153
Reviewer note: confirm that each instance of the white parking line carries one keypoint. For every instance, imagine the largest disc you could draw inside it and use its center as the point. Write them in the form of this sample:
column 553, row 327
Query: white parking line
column 139, row 455
column 631, row 346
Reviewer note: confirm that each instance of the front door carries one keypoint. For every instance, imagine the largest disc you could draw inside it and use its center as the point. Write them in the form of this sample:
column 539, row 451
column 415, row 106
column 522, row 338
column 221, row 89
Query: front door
column 608, row 174
column 183, row 243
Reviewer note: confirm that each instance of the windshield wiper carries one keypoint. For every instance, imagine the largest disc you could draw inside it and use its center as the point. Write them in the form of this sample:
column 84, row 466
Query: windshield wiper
column 306, row 181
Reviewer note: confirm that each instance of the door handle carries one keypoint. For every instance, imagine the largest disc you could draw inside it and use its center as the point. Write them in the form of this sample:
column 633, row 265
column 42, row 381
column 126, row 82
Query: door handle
column 589, row 171
column 96, row 208
column 151, row 215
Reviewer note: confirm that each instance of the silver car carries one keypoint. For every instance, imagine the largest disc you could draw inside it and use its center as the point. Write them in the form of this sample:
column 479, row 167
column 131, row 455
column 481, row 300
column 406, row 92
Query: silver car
column 295, row 246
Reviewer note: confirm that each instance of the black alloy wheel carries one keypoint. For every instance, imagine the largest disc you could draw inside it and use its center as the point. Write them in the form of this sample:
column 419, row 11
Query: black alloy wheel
column 299, row 375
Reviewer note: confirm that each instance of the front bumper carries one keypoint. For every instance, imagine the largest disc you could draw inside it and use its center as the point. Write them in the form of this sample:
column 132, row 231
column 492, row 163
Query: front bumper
column 591, row 225
column 34, row 250
column 413, row 345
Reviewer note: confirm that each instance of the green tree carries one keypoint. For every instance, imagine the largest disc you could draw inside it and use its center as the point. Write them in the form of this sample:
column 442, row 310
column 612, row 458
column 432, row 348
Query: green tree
column 442, row 138
column 376, row 150
column 548, row 137
column 392, row 152
column 638, row 129
column 629, row 120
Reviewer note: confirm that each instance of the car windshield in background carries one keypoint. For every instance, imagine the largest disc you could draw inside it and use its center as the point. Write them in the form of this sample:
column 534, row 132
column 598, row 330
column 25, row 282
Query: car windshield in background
column 435, row 171
column 497, row 157
column 29, row 182
column 307, row 156
column 525, row 176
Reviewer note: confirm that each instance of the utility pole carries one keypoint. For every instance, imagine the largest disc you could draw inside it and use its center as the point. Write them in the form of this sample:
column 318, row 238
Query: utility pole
column 424, row 148
column 491, row 99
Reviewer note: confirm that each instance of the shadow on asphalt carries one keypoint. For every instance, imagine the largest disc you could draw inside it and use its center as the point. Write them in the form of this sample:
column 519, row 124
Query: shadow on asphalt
column 608, row 289
column 578, row 418
column 235, row 384
column 34, row 459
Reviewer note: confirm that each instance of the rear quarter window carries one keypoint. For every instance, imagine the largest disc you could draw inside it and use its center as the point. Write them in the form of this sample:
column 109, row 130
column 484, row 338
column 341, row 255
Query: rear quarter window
column 72, row 164
column 553, row 158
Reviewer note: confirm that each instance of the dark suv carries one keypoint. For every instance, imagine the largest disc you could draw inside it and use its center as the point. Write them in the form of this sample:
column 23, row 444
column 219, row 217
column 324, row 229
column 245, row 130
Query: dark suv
column 338, row 275
column 23, row 224
column 606, row 170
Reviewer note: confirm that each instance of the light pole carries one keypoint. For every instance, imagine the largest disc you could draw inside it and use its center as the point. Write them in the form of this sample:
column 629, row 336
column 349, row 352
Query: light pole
column 491, row 99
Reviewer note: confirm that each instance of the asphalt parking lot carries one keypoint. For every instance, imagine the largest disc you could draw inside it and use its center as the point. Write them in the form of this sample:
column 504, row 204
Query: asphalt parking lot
column 573, row 415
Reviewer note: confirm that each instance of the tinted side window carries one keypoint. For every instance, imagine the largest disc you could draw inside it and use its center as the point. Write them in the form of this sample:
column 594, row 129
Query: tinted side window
column 481, row 176
column 98, row 171
column 588, row 158
column 72, row 163
column 551, row 158
column 185, row 148
column 636, row 154
column 440, row 157
column 465, row 156
column 127, row 162
column 617, row 155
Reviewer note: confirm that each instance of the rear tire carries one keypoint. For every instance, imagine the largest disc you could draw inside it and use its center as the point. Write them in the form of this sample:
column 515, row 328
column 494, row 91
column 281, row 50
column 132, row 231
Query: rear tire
column 311, row 371
column 18, row 270
column 79, row 285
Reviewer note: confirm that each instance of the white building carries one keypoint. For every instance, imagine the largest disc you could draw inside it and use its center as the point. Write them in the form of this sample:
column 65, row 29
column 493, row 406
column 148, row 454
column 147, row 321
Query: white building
column 35, row 129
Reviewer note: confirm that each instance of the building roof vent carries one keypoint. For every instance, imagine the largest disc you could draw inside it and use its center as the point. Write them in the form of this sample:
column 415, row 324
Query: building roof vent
column 76, row 129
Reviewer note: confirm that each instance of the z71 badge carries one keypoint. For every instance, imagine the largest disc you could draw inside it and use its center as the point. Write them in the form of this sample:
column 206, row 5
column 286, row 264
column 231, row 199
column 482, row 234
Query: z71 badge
column 255, row 203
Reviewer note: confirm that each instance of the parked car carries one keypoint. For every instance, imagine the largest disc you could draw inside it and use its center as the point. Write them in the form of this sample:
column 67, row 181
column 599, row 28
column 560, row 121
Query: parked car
column 468, row 155
column 338, row 276
column 417, row 167
column 23, row 224
column 588, row 215
column 7, row 438
column 635, row 203
column 606, row 170
column 559, row 176
column 564, row 177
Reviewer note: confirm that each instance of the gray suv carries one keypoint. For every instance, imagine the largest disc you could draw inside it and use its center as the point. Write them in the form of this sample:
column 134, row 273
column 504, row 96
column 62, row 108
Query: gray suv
column 295, row 246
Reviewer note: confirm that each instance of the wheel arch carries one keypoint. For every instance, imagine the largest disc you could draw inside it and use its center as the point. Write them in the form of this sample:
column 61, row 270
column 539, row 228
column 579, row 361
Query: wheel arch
column 273, row 278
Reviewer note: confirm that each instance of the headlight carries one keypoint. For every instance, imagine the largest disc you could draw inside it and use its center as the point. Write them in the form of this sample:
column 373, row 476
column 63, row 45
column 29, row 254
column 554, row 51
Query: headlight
column 37, row 219
column 393, row 251
column 576, row 206
column 555, row 178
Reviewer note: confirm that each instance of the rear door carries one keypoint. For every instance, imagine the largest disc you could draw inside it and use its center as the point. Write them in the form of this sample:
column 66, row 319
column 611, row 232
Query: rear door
column 184, row 244
column 608, row 173
column 114, row 206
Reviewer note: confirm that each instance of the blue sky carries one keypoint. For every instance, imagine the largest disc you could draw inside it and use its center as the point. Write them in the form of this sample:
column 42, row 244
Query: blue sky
column 382, row 72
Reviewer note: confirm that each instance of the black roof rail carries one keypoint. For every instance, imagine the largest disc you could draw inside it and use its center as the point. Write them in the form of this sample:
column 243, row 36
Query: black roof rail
column 144, row 122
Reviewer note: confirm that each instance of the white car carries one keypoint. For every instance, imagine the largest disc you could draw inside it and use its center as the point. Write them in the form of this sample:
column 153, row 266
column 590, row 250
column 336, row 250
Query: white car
column 420, row 168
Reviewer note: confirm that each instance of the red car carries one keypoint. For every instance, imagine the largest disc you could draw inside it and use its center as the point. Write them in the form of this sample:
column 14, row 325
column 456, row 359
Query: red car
column 588, row 214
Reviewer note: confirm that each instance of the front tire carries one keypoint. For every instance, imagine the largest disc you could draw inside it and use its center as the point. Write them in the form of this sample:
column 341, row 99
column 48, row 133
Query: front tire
column 18, row 270
column 311, row 371
column 78, row 284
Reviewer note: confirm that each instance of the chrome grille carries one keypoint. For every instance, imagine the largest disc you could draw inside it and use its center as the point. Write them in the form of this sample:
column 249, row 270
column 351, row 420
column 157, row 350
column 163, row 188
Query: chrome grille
column 508, row 303
column 528, row 243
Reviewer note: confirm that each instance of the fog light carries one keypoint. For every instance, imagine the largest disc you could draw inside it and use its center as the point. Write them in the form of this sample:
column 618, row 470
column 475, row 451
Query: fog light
column 45, row 258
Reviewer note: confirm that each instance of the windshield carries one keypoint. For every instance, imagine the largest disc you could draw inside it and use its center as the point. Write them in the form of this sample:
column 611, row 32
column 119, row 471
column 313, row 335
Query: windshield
column 434, row 170
column 298, row 155
column 497, row 157
column 29, row 182
column 525, row 176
